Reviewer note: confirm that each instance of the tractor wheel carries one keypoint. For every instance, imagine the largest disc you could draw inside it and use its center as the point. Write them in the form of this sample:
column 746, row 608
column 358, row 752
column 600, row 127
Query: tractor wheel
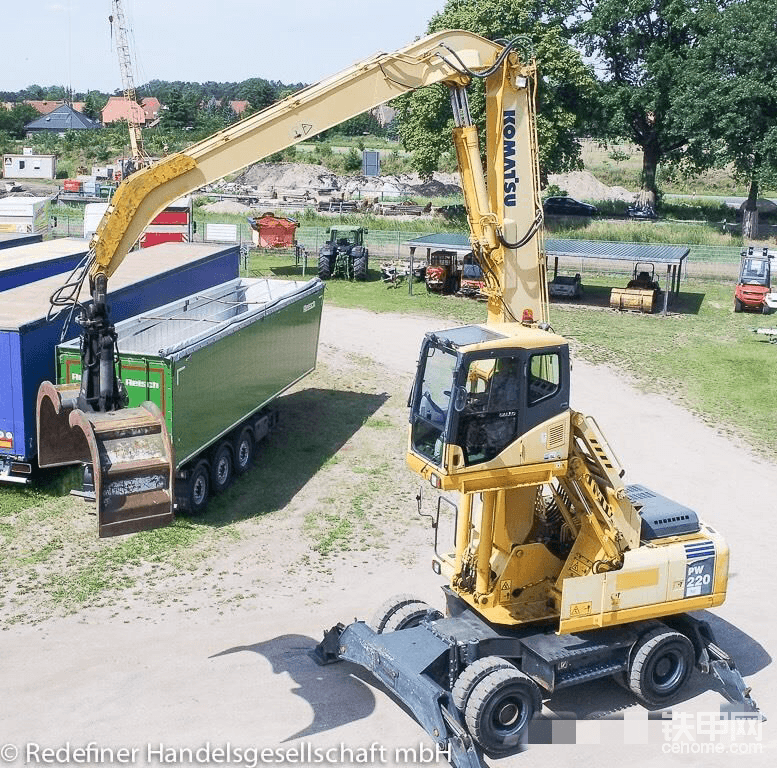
column 661, row 663
column 400, row 612
column 221, row 471
column 244, row 448
column 738, row 305
column 198, row 489
column 472, row 675
column 324, row 267
column 500, row 708
column 360, row 267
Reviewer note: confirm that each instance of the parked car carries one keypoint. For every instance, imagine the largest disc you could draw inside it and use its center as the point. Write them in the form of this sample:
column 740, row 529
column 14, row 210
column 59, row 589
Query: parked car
column 567, row 206
column 647, row 212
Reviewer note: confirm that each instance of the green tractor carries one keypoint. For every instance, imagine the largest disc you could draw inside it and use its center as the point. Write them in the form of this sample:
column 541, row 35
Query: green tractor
column 344, row 254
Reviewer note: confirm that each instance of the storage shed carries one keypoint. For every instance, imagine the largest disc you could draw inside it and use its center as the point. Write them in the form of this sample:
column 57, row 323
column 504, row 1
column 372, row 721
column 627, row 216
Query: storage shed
column 30, row 166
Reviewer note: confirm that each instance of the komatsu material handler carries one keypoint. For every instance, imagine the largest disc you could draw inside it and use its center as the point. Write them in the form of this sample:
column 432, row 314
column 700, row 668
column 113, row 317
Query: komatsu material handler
column 559, row 573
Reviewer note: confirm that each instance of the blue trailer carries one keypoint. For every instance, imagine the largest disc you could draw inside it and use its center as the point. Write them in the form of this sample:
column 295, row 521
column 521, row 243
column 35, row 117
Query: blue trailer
column 29, row 262
column 146, row 279
column 12, row 239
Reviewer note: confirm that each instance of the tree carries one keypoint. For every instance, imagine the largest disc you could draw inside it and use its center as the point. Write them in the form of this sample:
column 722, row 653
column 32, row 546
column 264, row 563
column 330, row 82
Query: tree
column 641, row 48
column 424, row 116
column 14, row 120
column 729, row 96
column 93, row 105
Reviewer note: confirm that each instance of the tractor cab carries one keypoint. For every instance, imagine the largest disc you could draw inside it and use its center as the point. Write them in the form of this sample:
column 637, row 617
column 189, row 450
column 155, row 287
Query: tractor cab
column 488, row 397
column 754, row 281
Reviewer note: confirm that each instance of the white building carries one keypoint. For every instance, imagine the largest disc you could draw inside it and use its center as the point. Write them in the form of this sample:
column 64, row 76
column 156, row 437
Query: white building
column 29, row 166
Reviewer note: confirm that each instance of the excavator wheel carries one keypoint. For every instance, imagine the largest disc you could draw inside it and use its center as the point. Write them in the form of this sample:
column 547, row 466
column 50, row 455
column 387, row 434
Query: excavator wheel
column 472, row 675
column 500, row 708
column 400, row 612
column 661, row 663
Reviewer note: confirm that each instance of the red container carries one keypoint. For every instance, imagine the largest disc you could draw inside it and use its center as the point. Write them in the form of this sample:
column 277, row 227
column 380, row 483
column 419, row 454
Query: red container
column 72, row 185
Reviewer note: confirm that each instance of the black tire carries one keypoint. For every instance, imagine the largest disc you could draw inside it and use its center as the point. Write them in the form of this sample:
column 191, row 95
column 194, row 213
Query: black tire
column 198, row 491
column 500, row 708
column 360, row 267
column 766, row 309
column 324, row 267
column 472, row 675
column 738, row 306
column 399, row 612
column 221, row 467
column 244, row 450
column 661, row 663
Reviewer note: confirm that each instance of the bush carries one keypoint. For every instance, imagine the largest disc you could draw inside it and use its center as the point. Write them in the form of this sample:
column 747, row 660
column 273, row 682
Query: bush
column 62, row 174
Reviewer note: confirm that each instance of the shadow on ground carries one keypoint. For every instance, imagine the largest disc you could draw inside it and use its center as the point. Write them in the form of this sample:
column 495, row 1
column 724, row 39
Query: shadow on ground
column 335, row 695
column 603, row 697
column 313, row 425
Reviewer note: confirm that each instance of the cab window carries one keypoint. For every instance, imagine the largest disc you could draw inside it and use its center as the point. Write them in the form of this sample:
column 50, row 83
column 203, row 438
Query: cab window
column 544, row 377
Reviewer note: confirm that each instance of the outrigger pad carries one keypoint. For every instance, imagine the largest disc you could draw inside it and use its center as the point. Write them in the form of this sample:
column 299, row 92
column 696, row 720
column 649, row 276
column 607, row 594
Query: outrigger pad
column 130, row 452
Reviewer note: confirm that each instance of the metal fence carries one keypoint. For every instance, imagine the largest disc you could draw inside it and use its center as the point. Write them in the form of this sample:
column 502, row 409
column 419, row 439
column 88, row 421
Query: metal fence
column 705, row 262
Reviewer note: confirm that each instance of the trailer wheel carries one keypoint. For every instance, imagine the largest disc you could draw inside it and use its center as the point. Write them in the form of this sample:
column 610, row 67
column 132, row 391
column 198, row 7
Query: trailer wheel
column 199, row 488
column 662, row 661
column 400, row 612
column 499, row 709
column 221, row 467
column 472, row 675
column 244, row 450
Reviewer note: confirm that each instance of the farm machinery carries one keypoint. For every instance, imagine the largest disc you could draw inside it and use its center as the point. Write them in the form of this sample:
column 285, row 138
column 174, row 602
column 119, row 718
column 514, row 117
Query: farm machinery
column 344, row 254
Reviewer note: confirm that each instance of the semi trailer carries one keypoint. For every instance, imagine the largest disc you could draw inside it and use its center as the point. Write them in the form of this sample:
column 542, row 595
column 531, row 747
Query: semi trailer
column 28, row 262
column 28, row 342
column 212, row 364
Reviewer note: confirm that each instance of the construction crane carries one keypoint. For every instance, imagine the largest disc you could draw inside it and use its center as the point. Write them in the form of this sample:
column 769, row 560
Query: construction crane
column 119, row 26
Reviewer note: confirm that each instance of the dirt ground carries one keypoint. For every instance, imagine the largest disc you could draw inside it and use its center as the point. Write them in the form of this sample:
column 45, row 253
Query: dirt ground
column 214, row 657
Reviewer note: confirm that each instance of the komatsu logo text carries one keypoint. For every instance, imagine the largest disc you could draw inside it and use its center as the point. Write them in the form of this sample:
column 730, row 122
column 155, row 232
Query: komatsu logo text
column 510, row 179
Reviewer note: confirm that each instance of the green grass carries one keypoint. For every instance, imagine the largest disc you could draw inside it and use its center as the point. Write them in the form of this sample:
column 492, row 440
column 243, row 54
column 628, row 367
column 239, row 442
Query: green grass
column 702, row 354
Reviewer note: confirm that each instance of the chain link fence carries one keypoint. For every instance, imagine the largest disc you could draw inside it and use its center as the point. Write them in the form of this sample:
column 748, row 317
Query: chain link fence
column 704, row 262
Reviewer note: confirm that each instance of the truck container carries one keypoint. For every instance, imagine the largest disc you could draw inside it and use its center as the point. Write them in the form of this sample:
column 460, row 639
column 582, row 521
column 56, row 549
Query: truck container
column 28, row 342
column 72, row 185
column 28, row 263
column 212, row 363
column 27, row 215
column 175, row 224
column 13, row 239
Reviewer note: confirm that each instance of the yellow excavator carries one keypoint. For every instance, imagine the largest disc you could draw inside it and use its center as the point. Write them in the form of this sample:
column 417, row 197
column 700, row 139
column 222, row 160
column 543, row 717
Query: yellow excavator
column 558, row 573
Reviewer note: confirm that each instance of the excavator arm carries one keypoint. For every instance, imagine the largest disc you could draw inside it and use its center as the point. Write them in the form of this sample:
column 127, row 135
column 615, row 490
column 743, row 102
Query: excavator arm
column 133, row 463
column 444, row 57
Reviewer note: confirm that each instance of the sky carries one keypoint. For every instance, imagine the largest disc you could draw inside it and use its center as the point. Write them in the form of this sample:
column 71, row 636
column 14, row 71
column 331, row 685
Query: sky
column 69, row 42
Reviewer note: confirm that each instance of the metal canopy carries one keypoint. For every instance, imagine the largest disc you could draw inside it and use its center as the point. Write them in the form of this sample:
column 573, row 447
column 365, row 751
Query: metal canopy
column 670, row 255
column 586, row 249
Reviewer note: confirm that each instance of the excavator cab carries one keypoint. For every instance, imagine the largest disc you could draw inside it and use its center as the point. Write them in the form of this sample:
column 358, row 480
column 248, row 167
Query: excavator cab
column 481, row 395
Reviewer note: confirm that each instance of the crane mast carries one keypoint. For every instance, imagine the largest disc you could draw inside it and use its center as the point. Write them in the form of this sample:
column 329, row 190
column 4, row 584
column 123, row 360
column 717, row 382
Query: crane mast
column 118, row 20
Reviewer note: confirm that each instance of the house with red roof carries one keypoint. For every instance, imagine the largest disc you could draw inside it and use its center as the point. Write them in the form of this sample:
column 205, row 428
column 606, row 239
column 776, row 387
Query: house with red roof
column 119, row 108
